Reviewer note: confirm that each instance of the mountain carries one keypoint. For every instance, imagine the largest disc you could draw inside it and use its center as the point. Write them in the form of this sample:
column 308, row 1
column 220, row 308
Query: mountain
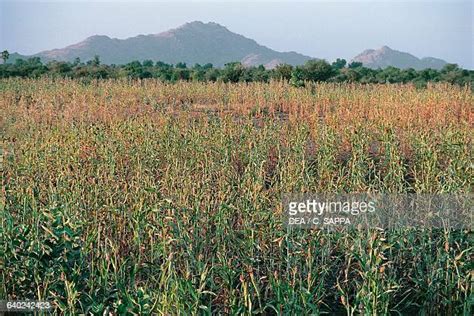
column 15, row 56
column 385, row 57
column 194, row 42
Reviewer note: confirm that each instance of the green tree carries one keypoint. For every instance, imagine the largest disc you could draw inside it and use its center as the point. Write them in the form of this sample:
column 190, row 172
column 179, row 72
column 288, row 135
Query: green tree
column 180, row 65
column 297, row 77
column 390, row 75
column 60, row 68
column 339, row 64
column 255, row 74
column 134, row 69
column 181, row 74
column 351, row 74
column 317, row 70
column 162, row 65
column 95, row 61
column 355, row 64
column 212, row 74
column 232, row 72
column 453, row 74
column 429, row 74
column 283, row 71
column 5, row 56
column 198, row 73
column 147, row 63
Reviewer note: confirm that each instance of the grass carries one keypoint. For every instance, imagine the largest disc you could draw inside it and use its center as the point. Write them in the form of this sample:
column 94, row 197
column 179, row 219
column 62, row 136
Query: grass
column 139, row 197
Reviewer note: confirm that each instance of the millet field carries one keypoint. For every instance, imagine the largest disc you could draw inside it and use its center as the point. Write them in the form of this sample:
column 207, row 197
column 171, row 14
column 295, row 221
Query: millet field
column 143, row 197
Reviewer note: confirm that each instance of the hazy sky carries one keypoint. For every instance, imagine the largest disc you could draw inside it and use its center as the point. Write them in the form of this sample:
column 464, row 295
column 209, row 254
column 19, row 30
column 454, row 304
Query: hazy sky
column 324, row 29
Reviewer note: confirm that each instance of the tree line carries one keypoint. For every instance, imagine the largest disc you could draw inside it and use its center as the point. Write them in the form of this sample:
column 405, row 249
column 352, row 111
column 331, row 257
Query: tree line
column 313, row 70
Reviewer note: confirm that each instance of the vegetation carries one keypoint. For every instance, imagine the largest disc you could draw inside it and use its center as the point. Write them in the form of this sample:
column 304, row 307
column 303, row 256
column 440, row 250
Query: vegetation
column 313, row 70
column 140, row 196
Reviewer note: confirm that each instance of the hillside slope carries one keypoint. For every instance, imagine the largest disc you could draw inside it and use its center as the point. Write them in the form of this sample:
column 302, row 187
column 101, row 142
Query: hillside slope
column 385, row 57
column 194, row 42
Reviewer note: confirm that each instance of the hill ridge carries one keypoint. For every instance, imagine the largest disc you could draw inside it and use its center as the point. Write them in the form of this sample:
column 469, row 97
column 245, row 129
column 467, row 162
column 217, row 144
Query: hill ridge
column 386, row 57
column 193, row 42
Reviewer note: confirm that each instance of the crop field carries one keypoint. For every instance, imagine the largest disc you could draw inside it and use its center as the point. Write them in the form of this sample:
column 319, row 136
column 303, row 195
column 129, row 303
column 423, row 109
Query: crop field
column 144, row 197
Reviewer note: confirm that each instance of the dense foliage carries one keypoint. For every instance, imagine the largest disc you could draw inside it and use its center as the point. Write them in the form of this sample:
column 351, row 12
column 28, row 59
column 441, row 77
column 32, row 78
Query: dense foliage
column 139, row 197
column 313, row 70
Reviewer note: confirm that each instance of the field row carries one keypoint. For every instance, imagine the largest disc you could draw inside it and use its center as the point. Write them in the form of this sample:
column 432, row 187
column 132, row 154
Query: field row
column 149, row 197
